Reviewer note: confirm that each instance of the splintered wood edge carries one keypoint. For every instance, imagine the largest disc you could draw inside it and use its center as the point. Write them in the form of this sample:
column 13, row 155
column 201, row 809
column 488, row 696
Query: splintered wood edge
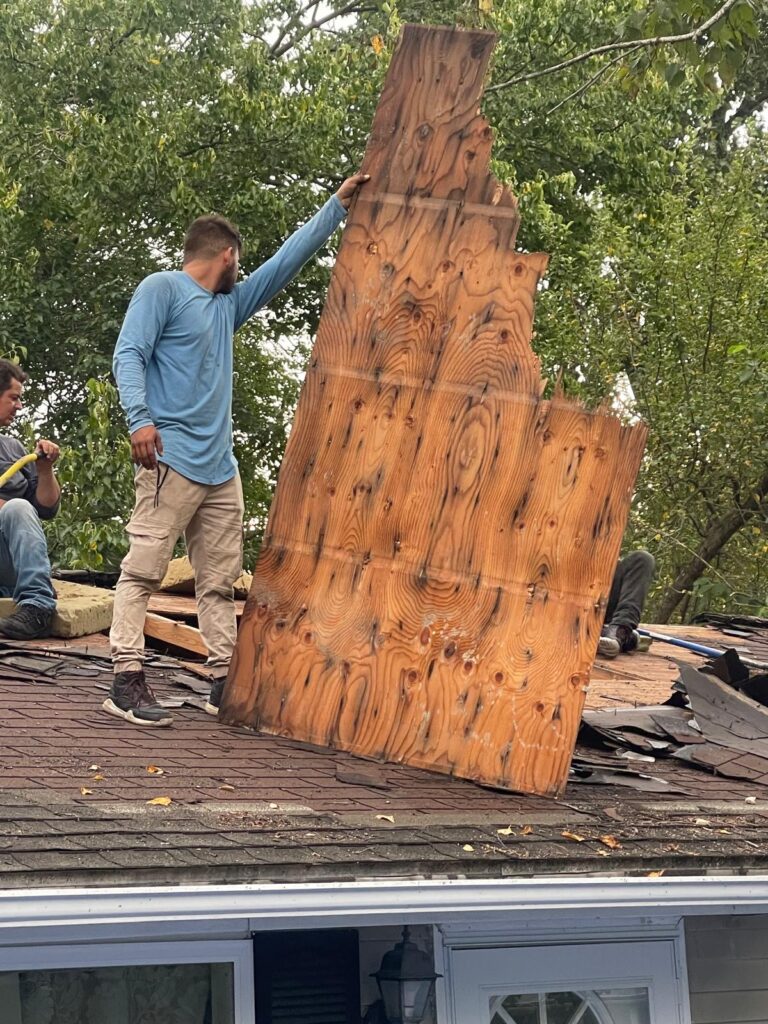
column 502, row 201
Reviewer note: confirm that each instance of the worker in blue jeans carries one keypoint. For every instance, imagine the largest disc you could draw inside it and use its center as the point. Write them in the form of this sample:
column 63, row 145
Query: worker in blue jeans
column 31, row 494
column 631, row 583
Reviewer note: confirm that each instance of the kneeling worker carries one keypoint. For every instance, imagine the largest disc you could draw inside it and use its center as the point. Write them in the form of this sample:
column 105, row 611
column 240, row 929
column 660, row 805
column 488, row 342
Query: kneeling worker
column 30, row 495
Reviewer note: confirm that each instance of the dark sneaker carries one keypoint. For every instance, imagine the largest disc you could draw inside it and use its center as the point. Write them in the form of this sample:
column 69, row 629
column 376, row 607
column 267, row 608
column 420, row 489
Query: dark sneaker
column 632, row 641
column 132, row 699
column 616, row 640
column 27, row 623
column 213, row 703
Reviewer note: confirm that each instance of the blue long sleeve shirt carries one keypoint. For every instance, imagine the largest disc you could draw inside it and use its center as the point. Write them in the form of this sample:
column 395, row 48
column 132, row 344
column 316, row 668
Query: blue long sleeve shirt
column 173, row 358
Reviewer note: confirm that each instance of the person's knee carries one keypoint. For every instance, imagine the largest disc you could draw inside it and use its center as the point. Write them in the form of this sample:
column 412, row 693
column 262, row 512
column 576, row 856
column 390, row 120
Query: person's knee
column 18, row 513
column 646, row 560
column 212, row 582
column 17, row 508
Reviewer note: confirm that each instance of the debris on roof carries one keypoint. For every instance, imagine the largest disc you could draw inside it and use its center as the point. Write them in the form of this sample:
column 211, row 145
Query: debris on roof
column 720, row 728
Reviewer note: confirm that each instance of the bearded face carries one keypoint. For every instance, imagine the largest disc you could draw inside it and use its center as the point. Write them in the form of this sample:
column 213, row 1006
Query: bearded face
column 228, row 276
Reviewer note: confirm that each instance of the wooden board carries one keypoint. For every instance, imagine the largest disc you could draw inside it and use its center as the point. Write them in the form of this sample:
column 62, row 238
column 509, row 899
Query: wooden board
column 176, row 633
column 442, row 540
column 181, row 606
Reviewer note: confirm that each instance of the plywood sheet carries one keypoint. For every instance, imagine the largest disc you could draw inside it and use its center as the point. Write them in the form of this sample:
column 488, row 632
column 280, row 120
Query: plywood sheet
column 442, row 541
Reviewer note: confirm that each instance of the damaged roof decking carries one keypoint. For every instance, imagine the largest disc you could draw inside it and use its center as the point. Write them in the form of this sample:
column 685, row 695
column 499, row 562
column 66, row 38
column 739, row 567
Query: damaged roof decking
column 327, row 815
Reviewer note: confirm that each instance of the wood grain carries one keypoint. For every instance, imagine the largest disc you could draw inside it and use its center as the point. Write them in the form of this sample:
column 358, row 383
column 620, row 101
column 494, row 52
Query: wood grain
column 176, row 633
column 442, row 540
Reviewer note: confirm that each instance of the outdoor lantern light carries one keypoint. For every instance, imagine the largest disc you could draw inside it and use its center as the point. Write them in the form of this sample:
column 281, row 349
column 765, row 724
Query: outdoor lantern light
column 406, row 979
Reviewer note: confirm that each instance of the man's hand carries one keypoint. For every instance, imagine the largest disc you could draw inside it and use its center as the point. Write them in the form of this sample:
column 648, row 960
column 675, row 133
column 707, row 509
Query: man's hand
column 350, row 187
column 146, row 445
column 48, row 452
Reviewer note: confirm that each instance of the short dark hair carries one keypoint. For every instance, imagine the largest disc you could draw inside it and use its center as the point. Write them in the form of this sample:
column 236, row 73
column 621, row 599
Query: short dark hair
column 207, row 236
column 10, row 371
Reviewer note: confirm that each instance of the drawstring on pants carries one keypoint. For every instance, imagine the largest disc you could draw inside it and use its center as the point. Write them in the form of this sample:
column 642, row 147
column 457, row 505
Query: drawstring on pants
column 160, row 483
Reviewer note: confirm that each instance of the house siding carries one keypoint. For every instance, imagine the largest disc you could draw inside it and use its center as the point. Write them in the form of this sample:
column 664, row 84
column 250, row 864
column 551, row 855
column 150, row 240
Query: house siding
column 728, row 969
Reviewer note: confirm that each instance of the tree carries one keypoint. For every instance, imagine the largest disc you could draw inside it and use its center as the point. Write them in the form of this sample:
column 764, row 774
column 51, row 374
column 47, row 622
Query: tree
column 121, row 121
column 130, row 117
column 685, row 303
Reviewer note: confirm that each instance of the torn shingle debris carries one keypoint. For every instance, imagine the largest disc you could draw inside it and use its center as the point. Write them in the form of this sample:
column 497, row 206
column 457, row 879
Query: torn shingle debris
column 719, row 728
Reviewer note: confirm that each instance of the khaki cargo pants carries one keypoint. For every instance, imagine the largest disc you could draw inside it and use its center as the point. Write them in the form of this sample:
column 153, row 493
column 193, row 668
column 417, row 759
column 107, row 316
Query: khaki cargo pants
column 211, row 520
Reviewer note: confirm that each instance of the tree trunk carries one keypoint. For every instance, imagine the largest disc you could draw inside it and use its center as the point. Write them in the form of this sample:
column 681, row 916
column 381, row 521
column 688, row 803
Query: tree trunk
column 718, row 535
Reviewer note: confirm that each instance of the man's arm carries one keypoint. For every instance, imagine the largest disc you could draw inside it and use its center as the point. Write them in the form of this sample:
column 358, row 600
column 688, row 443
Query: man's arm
column 47, row 493
column 144, row 321
column 271, row 277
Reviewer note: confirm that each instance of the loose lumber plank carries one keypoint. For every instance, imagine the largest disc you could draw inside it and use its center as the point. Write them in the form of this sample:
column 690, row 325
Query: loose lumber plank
column 442, row 539
column 181, row 606
column 176, row 633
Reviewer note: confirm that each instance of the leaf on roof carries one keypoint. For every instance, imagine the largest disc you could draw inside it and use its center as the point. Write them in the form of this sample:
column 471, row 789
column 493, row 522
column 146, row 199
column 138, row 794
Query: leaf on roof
column 94, row 767
column 152, row 769
column 610, row 841
column 98, row 777
column 572, row 836
column 160, row 801
column 526, row 830
column 386, row 817
column 229, row 789
column 84, row 791
column 509, row 831
column 468, row 848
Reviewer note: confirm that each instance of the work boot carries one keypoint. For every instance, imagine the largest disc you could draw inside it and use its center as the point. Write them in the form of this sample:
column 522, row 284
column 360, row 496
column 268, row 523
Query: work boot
column 132, row 699
column 616, row 639
column 213, row 703
column 28, row 622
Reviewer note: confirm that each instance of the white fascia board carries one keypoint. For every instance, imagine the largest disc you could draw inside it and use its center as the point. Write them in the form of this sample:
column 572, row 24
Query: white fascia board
column 359, row 904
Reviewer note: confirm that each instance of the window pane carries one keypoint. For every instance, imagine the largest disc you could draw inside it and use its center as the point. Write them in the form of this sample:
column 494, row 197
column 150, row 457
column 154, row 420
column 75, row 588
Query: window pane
column 612, row 1006
column 154, row 994
column 515, row 1009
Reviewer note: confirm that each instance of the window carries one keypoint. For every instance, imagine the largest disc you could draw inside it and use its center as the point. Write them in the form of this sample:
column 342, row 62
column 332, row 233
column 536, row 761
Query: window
column 591, row 983
column 136, row 983
column 617, row 1006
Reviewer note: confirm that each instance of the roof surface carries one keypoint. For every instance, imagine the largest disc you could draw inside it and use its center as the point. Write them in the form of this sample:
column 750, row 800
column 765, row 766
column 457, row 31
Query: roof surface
column 74, row 786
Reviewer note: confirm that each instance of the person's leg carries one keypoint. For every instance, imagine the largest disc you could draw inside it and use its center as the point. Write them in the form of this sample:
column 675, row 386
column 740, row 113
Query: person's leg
column 215, row 544
column 630, row 586
column 25, row 570
column 165, row 502
column 634, row 574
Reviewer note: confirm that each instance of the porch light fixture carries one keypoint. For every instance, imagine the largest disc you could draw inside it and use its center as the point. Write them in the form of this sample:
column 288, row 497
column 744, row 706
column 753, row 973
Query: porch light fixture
column 406, row 980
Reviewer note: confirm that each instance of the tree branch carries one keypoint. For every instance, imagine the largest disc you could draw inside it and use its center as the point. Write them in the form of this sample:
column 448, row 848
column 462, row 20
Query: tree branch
column 355, row 5
column 719, row 533
column 590, row 81
column 630, row 44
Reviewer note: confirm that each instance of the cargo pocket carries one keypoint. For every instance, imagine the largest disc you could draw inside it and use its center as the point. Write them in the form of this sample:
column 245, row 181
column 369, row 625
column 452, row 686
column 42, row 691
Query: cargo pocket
column 150, row 551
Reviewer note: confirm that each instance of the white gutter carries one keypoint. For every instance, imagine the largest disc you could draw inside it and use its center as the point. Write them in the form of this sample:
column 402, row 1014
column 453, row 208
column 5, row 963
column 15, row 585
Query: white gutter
column 378, row 902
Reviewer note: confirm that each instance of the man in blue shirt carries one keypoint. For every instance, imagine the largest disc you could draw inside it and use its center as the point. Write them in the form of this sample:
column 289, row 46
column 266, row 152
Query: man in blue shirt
column 31, row 494
column 173, row 366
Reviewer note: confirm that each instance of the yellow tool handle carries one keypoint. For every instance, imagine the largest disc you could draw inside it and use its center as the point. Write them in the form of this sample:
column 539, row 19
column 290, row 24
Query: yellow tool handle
column 18, row 464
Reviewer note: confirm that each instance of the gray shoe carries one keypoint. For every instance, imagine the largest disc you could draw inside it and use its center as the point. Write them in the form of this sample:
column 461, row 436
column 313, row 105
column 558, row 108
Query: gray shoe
column 27, row 623
column 608, row 646
column 616, row 639
column 132, row 699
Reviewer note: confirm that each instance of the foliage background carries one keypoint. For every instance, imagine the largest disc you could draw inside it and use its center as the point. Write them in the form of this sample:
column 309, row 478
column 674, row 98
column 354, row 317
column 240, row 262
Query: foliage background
column 643, row 172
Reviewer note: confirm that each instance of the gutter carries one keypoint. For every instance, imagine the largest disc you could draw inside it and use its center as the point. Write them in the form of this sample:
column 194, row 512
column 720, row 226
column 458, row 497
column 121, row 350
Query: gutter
column 345, row 904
